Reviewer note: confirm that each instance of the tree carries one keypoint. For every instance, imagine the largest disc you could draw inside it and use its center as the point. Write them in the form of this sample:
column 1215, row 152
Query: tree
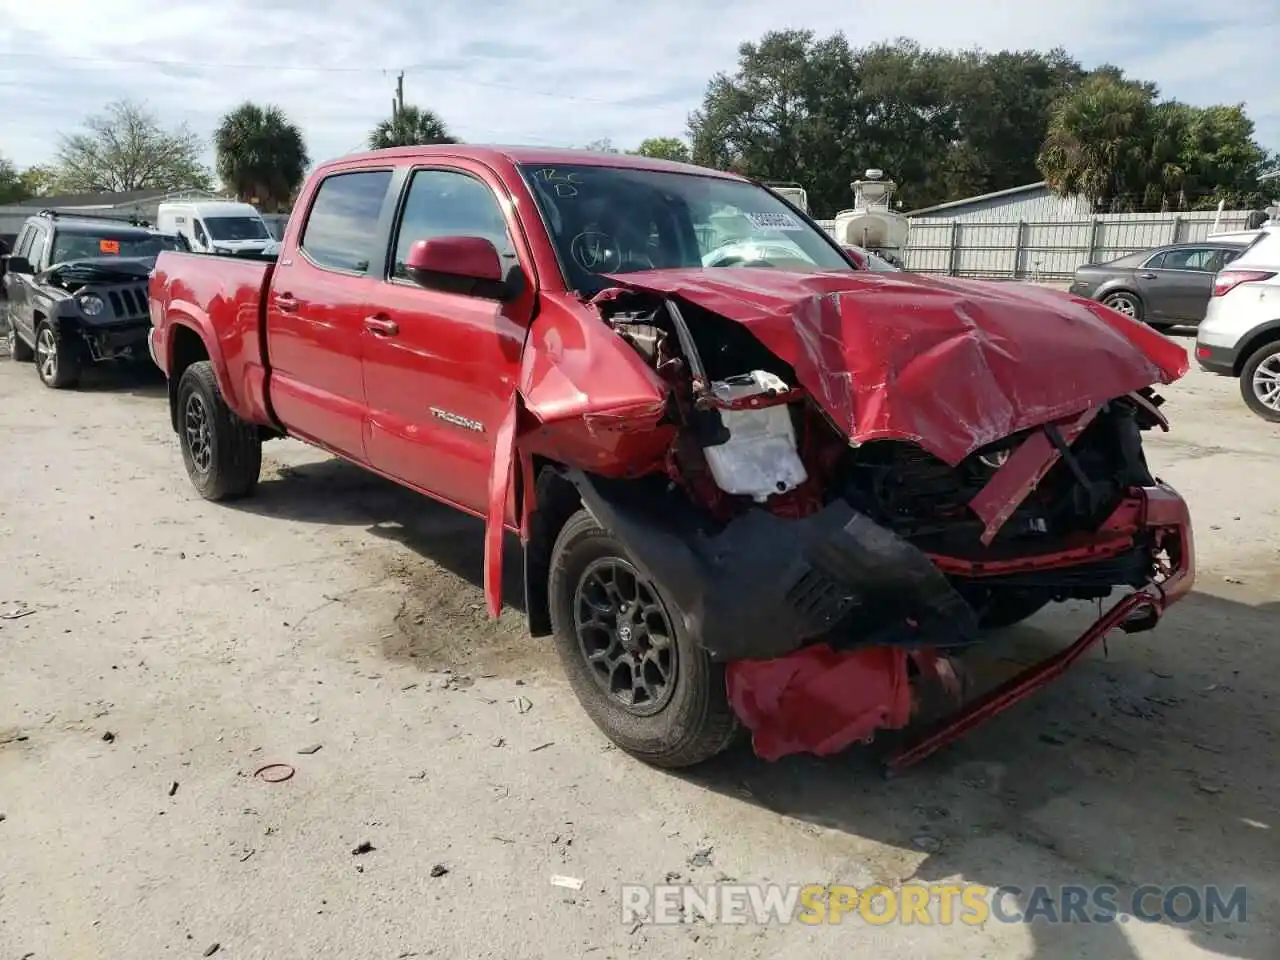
column 1113, row 142
column 603, row 145
column 409, row 127
column 12, row 188
column 39, row 181
column 126, row 148
column 944, row 125
column 664, row 148
column 262, row 156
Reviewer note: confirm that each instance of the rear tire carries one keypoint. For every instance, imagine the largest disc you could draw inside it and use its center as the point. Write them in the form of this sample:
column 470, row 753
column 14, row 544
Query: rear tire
column 19, row 350
column 1260, row 381
column 58, row 357
column 691, row 721
column 1126, row 303
column 222, row 453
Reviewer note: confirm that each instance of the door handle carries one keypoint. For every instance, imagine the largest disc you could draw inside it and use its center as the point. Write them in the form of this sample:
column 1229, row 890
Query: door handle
column 1146, row 276
column 286, row 303
column 381, row 326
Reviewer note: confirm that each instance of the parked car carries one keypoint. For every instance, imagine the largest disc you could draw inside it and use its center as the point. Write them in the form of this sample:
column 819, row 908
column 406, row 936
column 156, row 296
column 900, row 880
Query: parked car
column 1162, row 287
column 737, row 486
column 1240, row 335
column 77, row 292
column 216, row 226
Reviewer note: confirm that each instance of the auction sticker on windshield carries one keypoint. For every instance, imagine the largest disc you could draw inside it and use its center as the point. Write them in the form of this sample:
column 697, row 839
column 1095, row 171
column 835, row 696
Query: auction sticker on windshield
column 774, row 221
column 108, row 246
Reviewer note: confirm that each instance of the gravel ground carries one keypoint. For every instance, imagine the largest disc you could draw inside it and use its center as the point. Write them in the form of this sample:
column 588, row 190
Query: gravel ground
column 173, row 647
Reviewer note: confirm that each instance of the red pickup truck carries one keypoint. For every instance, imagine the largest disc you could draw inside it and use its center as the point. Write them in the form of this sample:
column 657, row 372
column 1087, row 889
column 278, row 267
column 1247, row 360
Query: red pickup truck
column 755, row 486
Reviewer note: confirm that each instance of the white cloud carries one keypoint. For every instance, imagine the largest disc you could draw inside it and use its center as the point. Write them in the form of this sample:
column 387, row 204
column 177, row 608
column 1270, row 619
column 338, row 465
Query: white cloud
column 563, row 73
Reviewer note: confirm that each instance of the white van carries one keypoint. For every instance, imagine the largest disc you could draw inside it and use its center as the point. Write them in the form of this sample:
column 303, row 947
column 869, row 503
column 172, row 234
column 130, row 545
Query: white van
column 216, row 226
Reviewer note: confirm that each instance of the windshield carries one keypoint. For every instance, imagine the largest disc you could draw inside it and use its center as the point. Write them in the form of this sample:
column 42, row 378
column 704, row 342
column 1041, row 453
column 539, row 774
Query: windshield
column 86, row 245
column 616, row 220
column 236, row 228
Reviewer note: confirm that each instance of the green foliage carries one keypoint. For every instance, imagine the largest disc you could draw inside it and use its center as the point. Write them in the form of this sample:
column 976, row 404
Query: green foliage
column 951, row 124
column 664, row 148
column 12, row 188
column 262, row 155
column 411, row 126
column 126, row 148
column 1114, row 142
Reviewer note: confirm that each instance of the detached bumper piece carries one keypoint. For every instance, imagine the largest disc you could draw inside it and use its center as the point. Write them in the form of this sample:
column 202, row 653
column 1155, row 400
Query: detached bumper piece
column 820, row 701
column 109, row 341
column 764, row 586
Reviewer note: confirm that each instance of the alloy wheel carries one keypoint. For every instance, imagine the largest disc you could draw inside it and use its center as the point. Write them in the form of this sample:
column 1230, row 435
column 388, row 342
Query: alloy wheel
column 47, row 355
column 197, row 433
column 625, row 636
column 1266, row 382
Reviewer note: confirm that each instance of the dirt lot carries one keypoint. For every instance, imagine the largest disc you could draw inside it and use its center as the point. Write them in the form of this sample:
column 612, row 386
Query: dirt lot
column 176, row 646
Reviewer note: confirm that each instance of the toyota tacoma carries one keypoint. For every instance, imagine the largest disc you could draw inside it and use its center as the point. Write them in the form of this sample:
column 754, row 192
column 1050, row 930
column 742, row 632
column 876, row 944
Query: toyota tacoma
column 756, row 487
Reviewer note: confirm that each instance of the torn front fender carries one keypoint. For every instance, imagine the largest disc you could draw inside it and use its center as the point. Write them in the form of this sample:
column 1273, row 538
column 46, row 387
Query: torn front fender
column 764, row 585
column 951, row 365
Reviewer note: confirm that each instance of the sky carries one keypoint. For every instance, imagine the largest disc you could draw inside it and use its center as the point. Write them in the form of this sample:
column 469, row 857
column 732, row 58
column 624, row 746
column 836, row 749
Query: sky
column 564, row 72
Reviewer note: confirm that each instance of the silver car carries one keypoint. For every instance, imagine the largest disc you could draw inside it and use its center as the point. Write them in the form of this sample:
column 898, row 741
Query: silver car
column 1240, row 335
column 1162, row 287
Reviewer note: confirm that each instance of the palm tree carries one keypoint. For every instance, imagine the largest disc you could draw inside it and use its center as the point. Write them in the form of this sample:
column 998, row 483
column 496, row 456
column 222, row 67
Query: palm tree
column 262, row 156
column 409, row 127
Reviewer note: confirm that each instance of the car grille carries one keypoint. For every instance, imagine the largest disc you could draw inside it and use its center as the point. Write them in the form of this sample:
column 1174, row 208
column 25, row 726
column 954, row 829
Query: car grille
column 128, row 302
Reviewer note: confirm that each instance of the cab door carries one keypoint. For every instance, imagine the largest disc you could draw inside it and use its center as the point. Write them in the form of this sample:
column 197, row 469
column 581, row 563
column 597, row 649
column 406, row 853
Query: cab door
column 319, row 297
column 440, row 368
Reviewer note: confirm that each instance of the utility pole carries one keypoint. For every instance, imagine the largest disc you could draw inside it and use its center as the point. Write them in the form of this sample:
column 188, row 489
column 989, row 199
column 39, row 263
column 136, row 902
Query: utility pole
column 399, row 107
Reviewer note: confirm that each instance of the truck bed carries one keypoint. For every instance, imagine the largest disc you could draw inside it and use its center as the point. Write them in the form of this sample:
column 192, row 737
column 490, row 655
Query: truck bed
column 221, row 300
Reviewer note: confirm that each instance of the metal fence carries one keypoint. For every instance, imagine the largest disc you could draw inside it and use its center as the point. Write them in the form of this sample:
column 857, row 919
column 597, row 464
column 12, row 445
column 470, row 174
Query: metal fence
column 1050, row 251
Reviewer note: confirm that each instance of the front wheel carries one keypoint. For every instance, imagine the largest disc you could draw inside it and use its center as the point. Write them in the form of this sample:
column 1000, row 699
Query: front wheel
column 634, row 668
column 222, row 453
column 1260, row 382
column 58, row 360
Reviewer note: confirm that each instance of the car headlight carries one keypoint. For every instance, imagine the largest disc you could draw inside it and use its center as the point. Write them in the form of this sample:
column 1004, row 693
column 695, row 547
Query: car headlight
column 91, row 304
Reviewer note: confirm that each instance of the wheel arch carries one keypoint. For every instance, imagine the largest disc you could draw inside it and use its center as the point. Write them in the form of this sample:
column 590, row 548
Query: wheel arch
column 1258, row 338
column 556, row 499
column 186, row 347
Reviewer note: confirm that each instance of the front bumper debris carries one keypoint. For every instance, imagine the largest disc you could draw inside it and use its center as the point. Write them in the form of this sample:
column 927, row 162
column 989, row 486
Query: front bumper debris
column 820, row 701
column 764, row 586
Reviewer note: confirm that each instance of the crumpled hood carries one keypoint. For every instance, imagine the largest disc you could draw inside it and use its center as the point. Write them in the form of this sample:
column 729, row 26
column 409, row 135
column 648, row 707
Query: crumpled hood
column 102, row 269
column 952, row 365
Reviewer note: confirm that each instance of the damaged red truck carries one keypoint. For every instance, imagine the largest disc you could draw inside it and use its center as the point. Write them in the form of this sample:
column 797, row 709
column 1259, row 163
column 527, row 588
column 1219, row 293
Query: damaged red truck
column 755, row 486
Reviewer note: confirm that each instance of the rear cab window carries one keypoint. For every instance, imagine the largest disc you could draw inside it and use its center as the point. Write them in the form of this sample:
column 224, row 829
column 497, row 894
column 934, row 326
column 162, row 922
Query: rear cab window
column 341, row 232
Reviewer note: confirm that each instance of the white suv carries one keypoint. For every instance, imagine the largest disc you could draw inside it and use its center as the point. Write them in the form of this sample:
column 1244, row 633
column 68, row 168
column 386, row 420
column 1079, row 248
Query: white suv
column 1240, row 335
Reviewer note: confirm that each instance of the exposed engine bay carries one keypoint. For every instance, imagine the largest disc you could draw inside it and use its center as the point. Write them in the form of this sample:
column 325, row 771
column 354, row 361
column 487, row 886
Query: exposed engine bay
column 750, row 437
column 841, row 482
column 111, row 312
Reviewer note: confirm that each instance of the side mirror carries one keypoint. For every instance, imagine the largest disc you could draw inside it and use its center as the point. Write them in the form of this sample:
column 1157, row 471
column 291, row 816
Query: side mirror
column 15, row 264
column 466, row 265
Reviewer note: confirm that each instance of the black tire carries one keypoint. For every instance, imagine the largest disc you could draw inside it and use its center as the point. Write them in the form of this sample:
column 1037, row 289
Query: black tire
column 1268, row 354
column 19, row 350
column 1125, row 302
column 222, row 453
column 58, row 357
column 1004, row 608
column 695, row 721
column 1161, row 327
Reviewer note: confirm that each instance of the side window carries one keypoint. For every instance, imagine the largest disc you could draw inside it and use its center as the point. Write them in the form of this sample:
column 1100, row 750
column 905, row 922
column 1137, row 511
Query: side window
column 1191, row 258
column 1221, row 258
column 198, row 229
column 23, row 246
column 341, row 229
column 38, row 245
column 1156, row 262
column 445, row 203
